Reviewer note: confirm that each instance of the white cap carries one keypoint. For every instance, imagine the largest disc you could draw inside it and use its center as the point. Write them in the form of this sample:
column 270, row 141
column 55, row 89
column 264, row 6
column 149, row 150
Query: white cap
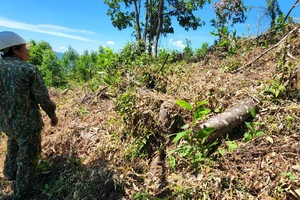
column 9, row 39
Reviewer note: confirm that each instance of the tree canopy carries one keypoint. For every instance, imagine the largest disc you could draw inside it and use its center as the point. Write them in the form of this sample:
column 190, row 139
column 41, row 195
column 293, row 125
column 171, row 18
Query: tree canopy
column 157, row 17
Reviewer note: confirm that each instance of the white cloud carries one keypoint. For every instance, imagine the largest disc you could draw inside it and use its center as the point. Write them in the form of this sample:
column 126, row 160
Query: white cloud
column 45, row 28
column 177, row 43
column 63, row 48
column 62, row 29
column 110, row 42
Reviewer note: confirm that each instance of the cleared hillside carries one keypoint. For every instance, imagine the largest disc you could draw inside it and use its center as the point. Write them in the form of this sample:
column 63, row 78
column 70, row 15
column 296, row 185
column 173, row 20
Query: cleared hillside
column 112, row 143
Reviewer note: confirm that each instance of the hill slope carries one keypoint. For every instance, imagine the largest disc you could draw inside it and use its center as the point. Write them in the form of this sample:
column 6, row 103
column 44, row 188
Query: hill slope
column 110, row 144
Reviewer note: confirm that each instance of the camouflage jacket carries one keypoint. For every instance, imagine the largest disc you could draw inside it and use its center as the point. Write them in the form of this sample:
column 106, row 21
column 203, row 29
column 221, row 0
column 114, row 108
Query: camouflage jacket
column 22, row 90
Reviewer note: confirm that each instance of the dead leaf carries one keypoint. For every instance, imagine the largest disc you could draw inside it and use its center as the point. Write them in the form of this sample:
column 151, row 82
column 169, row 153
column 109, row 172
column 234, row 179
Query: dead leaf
column 268, row 138
column 296, row 167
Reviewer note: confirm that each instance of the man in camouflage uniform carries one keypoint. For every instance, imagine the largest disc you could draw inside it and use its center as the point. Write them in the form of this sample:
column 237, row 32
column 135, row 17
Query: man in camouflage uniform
column 22, row 90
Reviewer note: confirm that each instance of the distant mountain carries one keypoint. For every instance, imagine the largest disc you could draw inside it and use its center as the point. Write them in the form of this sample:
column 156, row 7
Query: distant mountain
column 59, row 55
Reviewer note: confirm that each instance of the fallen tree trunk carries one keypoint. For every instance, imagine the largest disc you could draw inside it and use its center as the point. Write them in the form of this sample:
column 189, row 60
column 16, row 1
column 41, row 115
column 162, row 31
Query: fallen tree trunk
column 228, row 120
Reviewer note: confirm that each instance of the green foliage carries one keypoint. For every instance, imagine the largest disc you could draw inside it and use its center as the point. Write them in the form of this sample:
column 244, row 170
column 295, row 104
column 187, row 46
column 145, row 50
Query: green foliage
column 42, row 56
column 279, row 86
column 143, row 195
column 201, row 52
column 192, row 145
column 158, row 17
column 280, row 25
column 69, row 62
column 233, row 65
column 37, row 50
column 86, row 66
column 162, row 53
column 136, row 149
column 227, row 42
column 274, row 11
column 134, row 54
column 125, row 105
column 52, row 69
column 108, row 66
column 289, row 175
column 229, row 12
column 276, row 89
column 252, row 112
column 188, row 51
column 107, row 59
column 252, row 132
column 231, row 145
column 175, row 56
column 139, row 126
column 184, row 104
column 98, row 68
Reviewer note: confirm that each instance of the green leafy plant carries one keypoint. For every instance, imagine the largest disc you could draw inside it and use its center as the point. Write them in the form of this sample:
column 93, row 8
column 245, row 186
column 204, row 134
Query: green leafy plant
column 252, row 133
column 289, row 175
column 231, row 145
column 282, row 187
column 227, row 42
column 201, row 52
column 276, row 89
column 143, row 195
column 192, row 145
column 137, row 126
column 188, row 51
column 280, row 24
column 52, row 70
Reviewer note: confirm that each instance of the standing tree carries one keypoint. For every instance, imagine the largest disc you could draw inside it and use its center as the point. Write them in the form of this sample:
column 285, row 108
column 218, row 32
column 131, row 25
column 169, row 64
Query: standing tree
column 188, row 51
column 69, row 62
column 229, row 12
column 86, row 66
column 273, row 11
column 37, row 51
column 158, row 16
column 52, row 69
column 42, row 56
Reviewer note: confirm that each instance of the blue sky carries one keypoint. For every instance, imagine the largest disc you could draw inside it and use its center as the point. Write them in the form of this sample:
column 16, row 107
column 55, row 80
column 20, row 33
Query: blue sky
column 84, row 25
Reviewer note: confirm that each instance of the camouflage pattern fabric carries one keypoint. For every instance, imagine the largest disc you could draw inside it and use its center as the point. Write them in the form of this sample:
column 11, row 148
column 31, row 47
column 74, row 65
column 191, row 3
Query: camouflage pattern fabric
column 21, row 158
column 22, row 90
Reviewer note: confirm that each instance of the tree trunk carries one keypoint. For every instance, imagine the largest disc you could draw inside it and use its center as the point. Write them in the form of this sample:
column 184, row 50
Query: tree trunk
column 287, row 15
column 150, row 29
column 146, row 21
column 227, row 120
column 159, row 25
column 137, row 21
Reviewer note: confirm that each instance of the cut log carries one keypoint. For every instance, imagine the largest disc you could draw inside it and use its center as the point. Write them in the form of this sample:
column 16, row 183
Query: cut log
column 154, row 178
column 228, row 120
column 169, row 120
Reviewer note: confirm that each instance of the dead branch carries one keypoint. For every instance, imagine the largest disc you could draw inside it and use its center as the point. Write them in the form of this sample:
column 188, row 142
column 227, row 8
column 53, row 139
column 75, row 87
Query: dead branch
column 166, row 58
column 286, row 17
column 291, row 56
column 266, row 51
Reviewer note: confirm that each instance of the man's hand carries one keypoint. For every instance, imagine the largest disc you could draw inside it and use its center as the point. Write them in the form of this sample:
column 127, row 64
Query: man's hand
column 54, row 120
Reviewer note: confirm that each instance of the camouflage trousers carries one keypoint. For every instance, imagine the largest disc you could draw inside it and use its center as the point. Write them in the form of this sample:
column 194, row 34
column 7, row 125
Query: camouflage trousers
column 23, row 151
